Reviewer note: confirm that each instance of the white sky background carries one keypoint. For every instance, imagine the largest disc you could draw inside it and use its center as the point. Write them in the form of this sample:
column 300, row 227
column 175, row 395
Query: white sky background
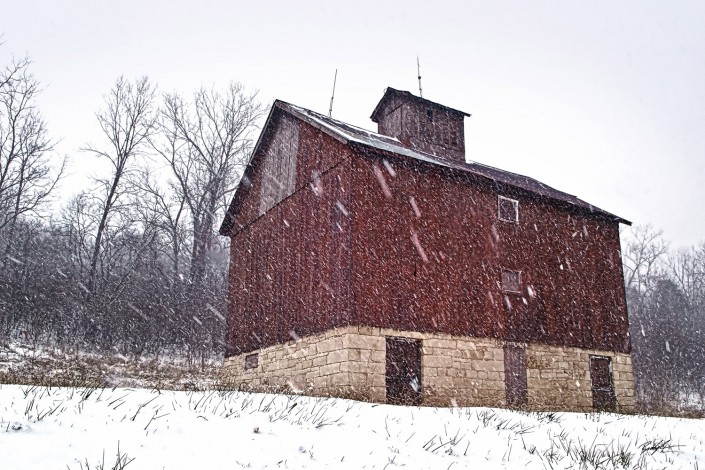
column 601, row 99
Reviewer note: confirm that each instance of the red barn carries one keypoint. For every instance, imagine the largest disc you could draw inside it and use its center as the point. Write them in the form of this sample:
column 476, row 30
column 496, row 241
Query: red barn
column 382, row 266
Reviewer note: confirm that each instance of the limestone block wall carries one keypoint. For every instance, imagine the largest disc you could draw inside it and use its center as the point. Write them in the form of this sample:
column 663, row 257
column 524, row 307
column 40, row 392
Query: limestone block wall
column 458, row 371
column 455, row 371
column 559, row 378
column 350, row 362
column 339, row 362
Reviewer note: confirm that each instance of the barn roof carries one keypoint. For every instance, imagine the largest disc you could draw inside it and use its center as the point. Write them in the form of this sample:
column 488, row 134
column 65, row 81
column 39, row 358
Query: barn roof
column 349, row 134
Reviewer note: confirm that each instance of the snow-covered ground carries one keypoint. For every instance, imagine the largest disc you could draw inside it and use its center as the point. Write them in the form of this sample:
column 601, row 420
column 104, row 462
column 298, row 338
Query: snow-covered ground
column 81, row 428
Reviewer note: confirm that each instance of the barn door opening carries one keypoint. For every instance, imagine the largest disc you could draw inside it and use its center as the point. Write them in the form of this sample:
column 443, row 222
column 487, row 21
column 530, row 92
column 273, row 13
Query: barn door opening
column 515, row 375
column 603, row 396
column 403, row 371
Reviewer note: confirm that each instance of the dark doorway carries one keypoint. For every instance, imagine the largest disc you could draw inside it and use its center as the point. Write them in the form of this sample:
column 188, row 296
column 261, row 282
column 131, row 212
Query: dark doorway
column 403, row 374
column 603, row 397
column 515, row 375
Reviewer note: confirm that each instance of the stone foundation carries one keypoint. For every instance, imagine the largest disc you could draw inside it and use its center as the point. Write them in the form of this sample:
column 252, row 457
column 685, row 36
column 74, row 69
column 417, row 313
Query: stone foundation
column 455, row 371
column 559, row 378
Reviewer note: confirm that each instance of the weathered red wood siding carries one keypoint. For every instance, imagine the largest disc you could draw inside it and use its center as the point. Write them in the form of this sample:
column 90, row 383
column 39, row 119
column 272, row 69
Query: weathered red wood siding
column 289, row 269
column 343, row 249
column 442, row 135
column 568, row 259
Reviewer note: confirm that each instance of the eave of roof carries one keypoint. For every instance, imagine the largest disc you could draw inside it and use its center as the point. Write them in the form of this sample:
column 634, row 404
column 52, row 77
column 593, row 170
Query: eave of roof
column 244, row 182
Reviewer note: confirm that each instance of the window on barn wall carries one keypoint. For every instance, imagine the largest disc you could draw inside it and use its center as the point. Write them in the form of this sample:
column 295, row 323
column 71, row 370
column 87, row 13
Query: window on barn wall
column 511, row 281
column 251, row 361
column 508, row 209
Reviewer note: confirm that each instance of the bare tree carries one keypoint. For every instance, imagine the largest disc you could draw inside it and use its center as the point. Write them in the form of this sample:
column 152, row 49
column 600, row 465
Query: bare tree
column 127, row 122
column 643, row 257
column 27, row 177
column 165, row 210
column 687, row 269
column 115, row 270
column 665, row 295
column 206, row 144
column 77, row 221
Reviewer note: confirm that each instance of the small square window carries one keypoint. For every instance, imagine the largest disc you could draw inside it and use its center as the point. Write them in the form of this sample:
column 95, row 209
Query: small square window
column 508, row 209
column 251, row 361
column 511, row 281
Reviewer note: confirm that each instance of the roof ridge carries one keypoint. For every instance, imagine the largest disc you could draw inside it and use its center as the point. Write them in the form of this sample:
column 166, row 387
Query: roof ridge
column 352, row 134
column 343, row 123
column 439, row 159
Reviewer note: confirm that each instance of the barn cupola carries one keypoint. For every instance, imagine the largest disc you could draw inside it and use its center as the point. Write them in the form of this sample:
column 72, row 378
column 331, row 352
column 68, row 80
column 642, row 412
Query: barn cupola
column 421, row 124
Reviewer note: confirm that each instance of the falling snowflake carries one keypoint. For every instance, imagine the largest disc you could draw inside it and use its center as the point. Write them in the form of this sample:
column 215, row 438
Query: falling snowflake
column 139, row 312
column 531, row 292
column 80, row 284
column 315, row 184
column 495, row 233
column 382, row 182
column 389, row 168
column 215, row 312
column 342, row 208
column 14, row 260
column 507, row 303
column 415, row 207
column 419, row 248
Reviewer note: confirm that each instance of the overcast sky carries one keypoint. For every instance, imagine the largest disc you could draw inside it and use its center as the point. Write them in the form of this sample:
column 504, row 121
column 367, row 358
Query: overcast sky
column 601, row 99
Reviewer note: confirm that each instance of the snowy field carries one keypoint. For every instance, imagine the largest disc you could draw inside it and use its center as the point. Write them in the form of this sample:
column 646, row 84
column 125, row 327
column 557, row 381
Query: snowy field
column 115, row 428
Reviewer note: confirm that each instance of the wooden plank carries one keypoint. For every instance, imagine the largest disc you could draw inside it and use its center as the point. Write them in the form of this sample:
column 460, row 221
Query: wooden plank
column 579, row 299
